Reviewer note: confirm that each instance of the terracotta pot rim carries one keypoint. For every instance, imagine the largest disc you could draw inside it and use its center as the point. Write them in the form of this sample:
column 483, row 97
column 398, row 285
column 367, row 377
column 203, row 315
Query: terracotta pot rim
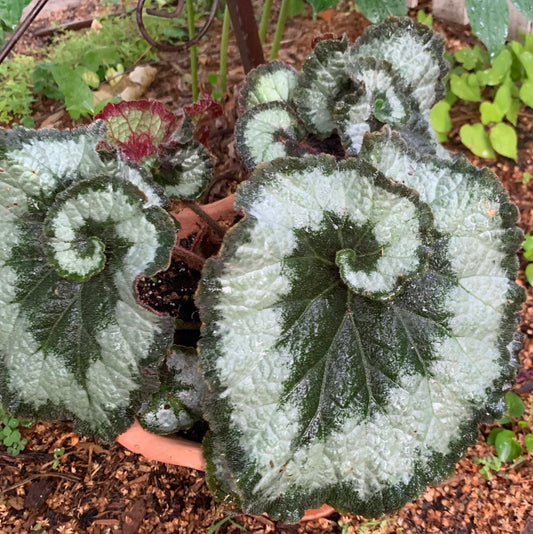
column 182, row 452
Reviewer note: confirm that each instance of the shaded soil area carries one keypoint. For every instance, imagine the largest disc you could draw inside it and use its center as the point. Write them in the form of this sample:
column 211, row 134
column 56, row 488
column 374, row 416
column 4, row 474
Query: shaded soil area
column 96, row 488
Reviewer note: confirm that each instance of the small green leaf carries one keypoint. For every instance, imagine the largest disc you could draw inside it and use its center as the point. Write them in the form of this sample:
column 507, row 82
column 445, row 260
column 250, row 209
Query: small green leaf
column 13, row 423
column 491, row 112
column 503, row 98
column 489, row 21
column 529, row 274
column 296, row 7
column 523, row 424
column 504, row 420
column 440, row 117
column 528, row 42
column 320, row 5
column 526, row 58
column 476, row 139
column 515, row 406
column 526, row 93
column 506, row 446
column 217, row 94
column 512, row 114
column 424, row 18
column 212, row 78
column 528, row 243
column 528, row 441
column 379, row 10
column 501, row 65
column 91, row 78
column 466, row 87
column 27, row 122
column 79, row 98
column 14, row 437
column 472, row 58
column 504, row 140
column 491, row 438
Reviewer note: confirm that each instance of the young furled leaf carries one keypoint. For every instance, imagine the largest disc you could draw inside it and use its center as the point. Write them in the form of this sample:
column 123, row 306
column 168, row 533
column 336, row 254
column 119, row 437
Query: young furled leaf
column 380, row 98
column 416, row 53
column 76, row 233
column 272, row 82
column 322, row 82
column 343, row 93
column 349, row 357
column 184, row 172
column 178, row 403
column 141, row 129
column 266, row 132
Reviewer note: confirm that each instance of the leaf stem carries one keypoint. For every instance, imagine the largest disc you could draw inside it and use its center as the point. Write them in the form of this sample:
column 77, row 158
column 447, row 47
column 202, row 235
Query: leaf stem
column 224, row 49
column 217, row 228
column 193, row 260
column 282, row 18
column 265, row 16
column 193, row 50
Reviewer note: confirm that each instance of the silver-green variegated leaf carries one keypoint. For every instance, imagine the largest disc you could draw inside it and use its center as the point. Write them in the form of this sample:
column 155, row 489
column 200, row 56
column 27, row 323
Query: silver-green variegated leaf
column 271, row 82
column 379, row 98
column 266, row 132
column 322, row 82
column 178, row 403
column 75, row 234
column 333, row 378
column 414, row 50
column 184, row 171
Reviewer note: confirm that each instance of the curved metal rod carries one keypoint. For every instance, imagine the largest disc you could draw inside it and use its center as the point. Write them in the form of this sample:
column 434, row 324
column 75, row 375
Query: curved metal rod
column 170, row 15
column 21, row 29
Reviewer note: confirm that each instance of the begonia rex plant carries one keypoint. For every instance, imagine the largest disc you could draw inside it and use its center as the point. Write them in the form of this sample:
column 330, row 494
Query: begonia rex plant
column 357, row 324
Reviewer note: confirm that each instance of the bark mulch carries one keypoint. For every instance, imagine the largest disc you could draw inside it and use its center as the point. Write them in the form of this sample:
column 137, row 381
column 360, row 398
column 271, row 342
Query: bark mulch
column 97, row 488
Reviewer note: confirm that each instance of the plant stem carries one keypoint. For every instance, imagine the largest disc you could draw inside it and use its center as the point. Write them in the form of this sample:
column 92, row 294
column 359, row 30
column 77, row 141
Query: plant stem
column 217, row 228
column 193, row 50
column 224, row 49
column 193, row 260
column 265, row 16
column 284, row 11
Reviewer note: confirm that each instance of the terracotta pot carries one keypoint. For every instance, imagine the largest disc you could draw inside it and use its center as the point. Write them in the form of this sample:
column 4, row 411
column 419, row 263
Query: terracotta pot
column 178, row 451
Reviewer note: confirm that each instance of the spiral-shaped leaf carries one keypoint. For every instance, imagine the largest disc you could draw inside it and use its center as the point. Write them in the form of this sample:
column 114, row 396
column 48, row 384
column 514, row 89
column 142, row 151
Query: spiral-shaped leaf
column 414, row 50
column 333, row 378
column 322, row 82
column 380, row 98
column 76, row 232
column 266, row 132
column 184, row 171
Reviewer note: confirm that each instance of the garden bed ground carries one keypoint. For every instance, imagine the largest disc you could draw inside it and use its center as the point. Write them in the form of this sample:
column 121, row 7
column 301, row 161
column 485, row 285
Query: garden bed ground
column 98, row 488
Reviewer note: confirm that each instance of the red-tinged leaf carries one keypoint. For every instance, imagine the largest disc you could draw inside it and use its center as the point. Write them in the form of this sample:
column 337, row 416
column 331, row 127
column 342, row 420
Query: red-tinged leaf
column 138, row 128
column 201, row 113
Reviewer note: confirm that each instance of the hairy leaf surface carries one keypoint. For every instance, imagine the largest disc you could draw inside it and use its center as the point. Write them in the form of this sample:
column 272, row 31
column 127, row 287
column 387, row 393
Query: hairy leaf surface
column 184, row 171
column 266, row 132
column 323, row 80
column 415, row 51
column 335, row 376
column 272, row 82
column 380, row 98
column 178, row 402
column 76, row 232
